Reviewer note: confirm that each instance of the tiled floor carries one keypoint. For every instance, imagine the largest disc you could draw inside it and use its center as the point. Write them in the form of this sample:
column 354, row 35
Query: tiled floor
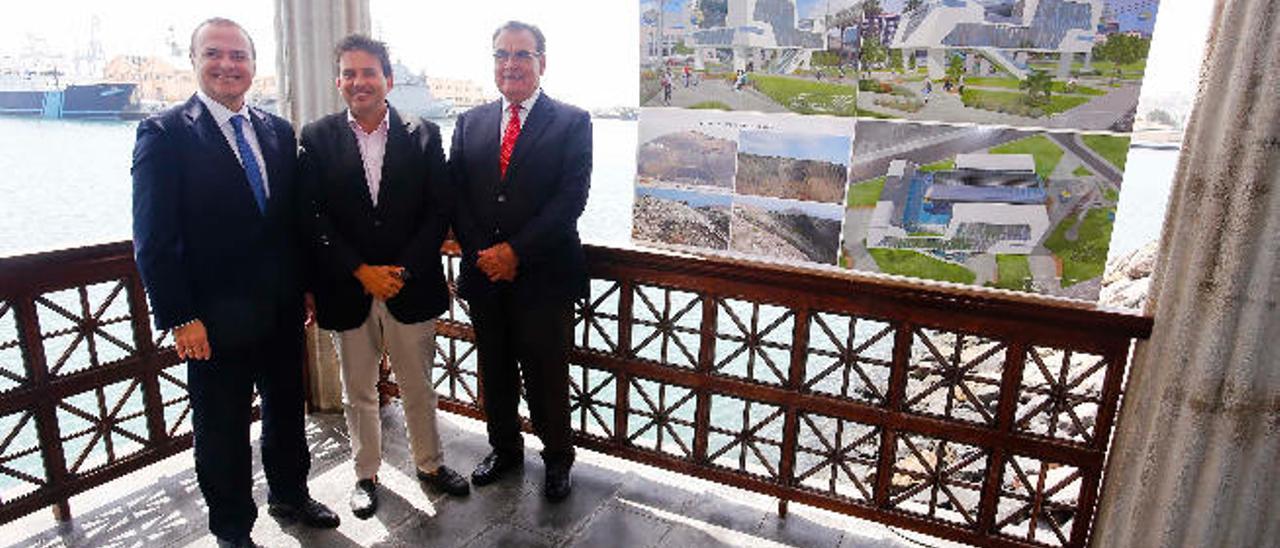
column 615, row 503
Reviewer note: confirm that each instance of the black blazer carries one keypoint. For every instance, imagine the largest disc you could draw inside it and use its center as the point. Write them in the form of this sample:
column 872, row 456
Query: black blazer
column 535, row 207
column 344, row 229
column 203, row 248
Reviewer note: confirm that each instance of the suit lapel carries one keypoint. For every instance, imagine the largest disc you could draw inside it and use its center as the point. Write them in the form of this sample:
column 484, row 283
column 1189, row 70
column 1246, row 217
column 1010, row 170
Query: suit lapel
column 540, row 117
column 397, row 142
column 209, row 137
column 350, row 161
column 488, row 139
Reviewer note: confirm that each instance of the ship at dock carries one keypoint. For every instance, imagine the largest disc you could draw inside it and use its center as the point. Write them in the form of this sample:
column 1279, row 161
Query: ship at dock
column 105, row 100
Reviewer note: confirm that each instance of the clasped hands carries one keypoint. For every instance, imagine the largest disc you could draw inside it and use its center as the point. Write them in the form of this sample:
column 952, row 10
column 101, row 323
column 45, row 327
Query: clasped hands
column 498, row 262
column 191, row 340
column 381, row 281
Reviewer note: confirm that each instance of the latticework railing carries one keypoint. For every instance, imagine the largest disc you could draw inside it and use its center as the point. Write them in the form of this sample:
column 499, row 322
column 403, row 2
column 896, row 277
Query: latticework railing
column 88, row 392
column 965, row 414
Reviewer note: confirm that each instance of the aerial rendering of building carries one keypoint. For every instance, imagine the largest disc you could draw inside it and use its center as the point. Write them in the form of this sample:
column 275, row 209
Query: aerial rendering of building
column 987, row 203
column 1002, row 33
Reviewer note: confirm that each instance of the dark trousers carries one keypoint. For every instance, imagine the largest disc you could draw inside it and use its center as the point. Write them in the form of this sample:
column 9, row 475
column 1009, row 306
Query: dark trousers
column 518, row 341
column 221, row 392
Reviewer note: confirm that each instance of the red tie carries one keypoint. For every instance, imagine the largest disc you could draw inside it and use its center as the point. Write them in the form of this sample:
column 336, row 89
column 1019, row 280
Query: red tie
column 509, row 139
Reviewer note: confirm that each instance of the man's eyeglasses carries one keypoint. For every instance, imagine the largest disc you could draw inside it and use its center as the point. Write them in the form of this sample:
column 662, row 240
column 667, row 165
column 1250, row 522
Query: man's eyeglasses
column 522, row 55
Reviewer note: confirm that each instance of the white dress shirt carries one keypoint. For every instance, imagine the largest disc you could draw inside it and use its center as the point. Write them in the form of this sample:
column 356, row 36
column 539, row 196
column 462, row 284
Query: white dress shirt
column 525, row 106
column 373, row 147
column 222, row 115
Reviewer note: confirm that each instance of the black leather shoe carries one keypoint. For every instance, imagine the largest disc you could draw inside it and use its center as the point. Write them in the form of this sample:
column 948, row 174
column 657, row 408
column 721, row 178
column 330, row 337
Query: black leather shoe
column 446, row 480
column 559, row 483
column 242, row 542
column 494, row 466
column 364, row 499
column 310, row 512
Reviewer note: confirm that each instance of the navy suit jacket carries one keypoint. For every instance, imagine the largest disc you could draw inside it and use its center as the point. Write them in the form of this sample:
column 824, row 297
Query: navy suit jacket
column 344, row 229
column 535, row 207
column 203, row 248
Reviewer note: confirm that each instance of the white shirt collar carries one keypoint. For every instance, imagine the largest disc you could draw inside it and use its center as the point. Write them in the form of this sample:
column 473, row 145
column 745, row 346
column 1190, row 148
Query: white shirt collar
column 525, row 105
column 220, row 112
column 386, row 120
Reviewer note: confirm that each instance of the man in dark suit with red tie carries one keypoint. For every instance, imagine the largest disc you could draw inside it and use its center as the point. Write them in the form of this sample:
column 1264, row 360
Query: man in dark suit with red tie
column 215, row 239
column 521, row 167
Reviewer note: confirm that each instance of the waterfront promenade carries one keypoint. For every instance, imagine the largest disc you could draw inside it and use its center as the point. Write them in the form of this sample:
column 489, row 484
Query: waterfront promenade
column 615, row 503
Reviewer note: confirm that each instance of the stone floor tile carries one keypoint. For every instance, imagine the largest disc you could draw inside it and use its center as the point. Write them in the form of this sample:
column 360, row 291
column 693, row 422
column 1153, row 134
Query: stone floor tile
column 621, row 525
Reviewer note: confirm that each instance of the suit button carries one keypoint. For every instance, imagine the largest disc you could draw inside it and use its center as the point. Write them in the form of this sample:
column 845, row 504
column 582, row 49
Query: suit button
column 497, row 232
column 502, row 198
column 377, row 223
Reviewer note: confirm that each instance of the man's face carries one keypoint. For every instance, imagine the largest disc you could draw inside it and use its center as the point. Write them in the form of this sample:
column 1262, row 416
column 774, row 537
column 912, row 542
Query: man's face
column 517, row 65
column 363, row 85
column 223, row 60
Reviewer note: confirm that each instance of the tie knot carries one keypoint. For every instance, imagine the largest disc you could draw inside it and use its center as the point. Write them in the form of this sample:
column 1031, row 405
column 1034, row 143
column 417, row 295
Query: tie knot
column 514, row 108
column 237, row 121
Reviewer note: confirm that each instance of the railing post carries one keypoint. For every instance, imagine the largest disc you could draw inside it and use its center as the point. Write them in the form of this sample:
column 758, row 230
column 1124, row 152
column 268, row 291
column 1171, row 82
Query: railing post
column 791, row 422
column 1007, row 407
column 706, row 361
column 153, row 400
column 621, row 380
column 897, row 389
column 45, row 411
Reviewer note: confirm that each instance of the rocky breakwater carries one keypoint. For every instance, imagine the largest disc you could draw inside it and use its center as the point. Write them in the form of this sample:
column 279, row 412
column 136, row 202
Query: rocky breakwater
column 672, row 222
column 1127, row 279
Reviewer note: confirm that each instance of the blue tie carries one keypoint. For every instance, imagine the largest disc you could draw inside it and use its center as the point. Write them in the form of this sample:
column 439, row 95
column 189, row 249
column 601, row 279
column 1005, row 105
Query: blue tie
column 250, row 163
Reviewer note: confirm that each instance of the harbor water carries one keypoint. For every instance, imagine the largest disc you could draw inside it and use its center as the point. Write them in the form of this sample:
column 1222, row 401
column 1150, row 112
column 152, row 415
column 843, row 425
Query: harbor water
column 66, row 184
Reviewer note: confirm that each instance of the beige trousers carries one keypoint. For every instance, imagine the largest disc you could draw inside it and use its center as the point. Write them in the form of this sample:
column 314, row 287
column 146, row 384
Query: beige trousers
column 411, row 349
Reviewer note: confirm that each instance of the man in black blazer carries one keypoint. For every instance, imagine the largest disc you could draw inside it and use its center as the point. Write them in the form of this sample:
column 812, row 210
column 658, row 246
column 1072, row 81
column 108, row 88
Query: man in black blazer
column 521, row 168
column 377, row 193
column 214, row 232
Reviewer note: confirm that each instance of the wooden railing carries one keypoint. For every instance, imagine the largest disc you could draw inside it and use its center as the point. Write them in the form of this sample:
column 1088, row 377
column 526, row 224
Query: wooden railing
column 88, row 393
column 967, row 414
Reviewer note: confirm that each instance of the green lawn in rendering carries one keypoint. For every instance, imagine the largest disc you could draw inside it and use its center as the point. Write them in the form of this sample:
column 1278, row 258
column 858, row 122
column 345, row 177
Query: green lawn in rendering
column 1015, row 102
column 1086, row 256
column 1081, row 171
column 711, row 105
column 1131, row 71
column 866, row 193
column 1014, row 83
column 941, row 165
column 807, row 96
column 1046, row 153
column 905, row 262
column 1013, row 272
column 1113, row 148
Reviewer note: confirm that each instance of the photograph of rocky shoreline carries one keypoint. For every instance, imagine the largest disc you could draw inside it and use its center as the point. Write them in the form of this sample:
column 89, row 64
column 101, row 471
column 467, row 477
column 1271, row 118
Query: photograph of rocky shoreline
column 786, row 230
column 789, row 165
column 687, row 158
column 682, row 218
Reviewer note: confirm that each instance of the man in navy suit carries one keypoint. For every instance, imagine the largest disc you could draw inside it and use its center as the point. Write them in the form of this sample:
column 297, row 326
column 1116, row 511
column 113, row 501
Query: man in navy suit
column 215, row 239
column 377, row 190
column 521, row 168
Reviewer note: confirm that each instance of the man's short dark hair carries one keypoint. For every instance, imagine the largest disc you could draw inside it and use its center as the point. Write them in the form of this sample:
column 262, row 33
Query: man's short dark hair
column 221, row 22
column 516, row 26
column 360, row 42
